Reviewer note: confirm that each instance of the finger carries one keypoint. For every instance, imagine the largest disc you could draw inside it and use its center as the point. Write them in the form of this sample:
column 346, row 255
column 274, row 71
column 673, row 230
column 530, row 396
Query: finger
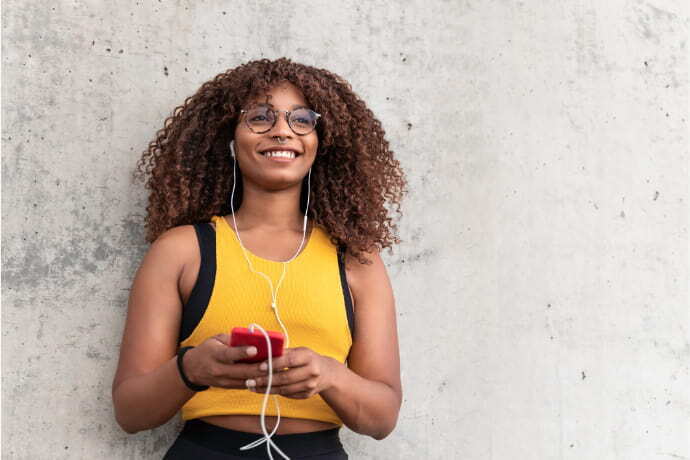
column 223, row 352
column 230, row 383
column 305, row 387
column 222, row 338
column 237, row 371
column 292, row 357
column 302, row 395
column 288, row 377
column 229, row 355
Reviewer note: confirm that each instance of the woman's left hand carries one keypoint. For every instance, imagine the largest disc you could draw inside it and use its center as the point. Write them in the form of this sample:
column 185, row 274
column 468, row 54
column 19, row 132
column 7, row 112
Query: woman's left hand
column 299, row 373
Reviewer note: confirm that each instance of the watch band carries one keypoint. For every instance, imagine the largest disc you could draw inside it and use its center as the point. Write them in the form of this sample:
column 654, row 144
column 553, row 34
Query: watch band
column 190, row 385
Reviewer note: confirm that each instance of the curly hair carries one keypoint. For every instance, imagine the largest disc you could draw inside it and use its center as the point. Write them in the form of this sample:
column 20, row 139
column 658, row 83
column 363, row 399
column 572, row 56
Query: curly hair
column 355, row 177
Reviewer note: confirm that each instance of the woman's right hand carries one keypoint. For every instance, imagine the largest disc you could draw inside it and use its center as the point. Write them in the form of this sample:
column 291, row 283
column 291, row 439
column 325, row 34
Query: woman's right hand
column 213, row 363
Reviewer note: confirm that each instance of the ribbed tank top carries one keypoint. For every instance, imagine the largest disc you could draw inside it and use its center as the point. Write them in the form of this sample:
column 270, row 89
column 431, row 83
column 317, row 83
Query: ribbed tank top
column 314, row 303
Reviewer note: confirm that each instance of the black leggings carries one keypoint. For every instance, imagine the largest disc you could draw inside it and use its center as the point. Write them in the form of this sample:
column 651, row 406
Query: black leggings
column 203, row 441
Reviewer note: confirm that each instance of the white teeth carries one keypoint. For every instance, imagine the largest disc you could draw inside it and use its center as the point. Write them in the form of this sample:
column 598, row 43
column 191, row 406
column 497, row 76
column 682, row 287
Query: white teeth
column 282, row 154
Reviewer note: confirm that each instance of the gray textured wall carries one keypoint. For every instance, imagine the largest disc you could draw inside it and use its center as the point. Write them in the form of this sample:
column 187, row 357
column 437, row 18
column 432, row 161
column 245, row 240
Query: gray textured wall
column 542, row 287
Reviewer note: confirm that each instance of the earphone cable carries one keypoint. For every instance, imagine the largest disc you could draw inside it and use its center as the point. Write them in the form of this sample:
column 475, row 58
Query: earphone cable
column 274, row 307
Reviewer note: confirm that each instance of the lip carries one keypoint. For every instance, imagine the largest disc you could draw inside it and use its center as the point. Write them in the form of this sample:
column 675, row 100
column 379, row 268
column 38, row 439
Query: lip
column 281, row 148
column 279, row 159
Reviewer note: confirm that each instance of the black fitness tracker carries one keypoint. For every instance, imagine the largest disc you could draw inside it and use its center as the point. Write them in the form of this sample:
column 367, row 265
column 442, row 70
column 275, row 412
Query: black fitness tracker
column 190, row 385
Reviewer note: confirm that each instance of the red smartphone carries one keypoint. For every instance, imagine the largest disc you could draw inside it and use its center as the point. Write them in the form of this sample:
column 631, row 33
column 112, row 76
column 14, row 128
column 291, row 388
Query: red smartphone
column 241, row 336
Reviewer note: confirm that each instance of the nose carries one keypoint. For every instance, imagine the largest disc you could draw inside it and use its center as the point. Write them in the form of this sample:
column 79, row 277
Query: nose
column 281, row 127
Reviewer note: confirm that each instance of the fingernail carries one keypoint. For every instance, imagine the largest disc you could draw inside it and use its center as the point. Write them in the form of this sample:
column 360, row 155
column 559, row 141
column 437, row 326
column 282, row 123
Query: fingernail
column 251, row 351
column 263, row 366
column 250, row 383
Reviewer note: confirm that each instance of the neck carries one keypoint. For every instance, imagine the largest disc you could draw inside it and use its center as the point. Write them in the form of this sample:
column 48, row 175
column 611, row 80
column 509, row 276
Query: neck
column 273, row 210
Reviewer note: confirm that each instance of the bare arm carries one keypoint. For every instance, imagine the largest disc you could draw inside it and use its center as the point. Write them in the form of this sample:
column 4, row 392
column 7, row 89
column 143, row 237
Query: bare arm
column 367, row 395
column 147, row 365
column 147, row 388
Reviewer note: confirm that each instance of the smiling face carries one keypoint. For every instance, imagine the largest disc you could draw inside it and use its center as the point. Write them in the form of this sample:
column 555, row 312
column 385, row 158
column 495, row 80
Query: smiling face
column 272, row 171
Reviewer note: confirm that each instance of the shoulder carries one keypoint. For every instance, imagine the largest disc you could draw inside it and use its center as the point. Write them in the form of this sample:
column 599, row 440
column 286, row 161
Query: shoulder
column 175, row 247
column 374, row 262
column 176, row 238
column 367, row 280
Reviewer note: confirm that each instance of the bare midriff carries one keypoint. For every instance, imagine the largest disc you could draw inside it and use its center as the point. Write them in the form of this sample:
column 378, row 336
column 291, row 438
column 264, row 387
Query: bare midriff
column 252, row 423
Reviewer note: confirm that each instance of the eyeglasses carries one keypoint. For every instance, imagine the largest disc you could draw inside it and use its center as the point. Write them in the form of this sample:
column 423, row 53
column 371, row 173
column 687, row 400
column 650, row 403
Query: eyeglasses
column 262, row 119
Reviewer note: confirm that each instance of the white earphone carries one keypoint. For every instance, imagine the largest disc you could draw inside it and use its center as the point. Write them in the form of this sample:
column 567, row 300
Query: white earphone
column 274, row 306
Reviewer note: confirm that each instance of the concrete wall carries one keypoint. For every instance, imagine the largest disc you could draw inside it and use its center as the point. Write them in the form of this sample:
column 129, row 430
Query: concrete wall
column 542, row 287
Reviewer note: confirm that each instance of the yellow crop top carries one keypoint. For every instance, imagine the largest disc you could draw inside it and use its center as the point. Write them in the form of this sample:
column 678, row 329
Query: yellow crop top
column 314, row 303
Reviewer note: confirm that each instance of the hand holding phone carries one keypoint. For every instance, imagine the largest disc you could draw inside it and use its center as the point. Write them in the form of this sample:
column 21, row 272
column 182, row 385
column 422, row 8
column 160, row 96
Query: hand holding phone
column 241, row 336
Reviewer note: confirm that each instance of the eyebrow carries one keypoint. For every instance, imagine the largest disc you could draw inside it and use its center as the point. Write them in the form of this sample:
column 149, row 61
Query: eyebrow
column 296, row 106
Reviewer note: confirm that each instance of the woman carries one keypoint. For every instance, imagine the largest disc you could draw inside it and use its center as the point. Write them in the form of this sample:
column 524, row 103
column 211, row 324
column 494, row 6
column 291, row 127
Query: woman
column 268, row 192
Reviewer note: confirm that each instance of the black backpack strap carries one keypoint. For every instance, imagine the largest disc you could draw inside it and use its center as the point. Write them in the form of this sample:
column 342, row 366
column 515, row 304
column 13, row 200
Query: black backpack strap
column 346, row 291
column 196, row 305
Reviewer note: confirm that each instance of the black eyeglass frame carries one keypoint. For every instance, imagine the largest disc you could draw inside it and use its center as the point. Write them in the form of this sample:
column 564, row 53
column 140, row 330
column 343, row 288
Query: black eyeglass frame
column 287, row 118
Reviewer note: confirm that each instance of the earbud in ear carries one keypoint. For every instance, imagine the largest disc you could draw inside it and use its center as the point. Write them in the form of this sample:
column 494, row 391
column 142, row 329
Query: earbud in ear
column 232, row 148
